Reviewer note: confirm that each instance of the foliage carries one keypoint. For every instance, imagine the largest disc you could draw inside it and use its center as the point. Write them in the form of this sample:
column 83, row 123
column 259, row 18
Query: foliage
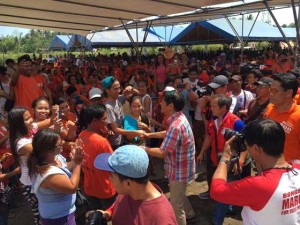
column 34, row 41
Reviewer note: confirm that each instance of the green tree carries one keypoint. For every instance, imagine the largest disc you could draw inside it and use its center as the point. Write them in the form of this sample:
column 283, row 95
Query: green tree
column 292, row 25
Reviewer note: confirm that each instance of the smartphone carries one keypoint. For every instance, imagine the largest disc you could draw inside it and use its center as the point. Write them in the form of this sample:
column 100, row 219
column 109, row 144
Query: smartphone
column 58, row 114
column 181, row 85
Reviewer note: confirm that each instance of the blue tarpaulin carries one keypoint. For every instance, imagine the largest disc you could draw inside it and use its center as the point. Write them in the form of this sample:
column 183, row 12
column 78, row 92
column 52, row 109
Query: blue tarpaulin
column 79, row 42
column 119, row 38
column 70, row 42
column 219, row 31
column 60, row 42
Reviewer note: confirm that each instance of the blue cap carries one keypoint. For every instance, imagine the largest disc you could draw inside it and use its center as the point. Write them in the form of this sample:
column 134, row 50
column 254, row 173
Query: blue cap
column 108, row 82
column 129, row 160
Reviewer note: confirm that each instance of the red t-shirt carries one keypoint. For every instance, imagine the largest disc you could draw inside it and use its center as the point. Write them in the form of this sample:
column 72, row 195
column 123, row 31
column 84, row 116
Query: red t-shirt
column 157, row 211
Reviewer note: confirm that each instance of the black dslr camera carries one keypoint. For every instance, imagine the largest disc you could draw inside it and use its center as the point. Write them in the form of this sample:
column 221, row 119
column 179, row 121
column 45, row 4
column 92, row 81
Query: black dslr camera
column 203, row 91
column 239, row 141
column 96, row 219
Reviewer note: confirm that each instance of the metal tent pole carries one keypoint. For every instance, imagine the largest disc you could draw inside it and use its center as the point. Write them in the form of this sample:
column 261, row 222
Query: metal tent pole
column 278, row 26
column 242, row 44
column 149, row 23
column 252, row 27
column 171, row 35
column 130, row 37
column 137, row 42
column 237, row 35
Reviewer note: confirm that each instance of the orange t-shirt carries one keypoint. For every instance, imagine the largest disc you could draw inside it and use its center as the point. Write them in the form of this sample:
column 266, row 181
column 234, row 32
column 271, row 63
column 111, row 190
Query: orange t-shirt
column 96, row 182
column 297, row 99
column 41, row 82
column 283, row 68
column 270, row 62
column 290, row 121
column 26, row 90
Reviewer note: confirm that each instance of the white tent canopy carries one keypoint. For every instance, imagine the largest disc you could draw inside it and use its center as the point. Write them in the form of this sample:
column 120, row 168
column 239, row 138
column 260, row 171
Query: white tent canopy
column 81, row 17
column 210, row 13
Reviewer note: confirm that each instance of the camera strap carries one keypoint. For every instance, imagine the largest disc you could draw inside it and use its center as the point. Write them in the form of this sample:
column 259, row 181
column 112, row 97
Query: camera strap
column 245, row 100
column 216, row 141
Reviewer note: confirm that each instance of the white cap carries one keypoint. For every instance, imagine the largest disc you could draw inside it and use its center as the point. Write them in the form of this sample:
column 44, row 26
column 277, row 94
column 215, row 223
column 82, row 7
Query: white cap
column 95, row 93
column 169, row 88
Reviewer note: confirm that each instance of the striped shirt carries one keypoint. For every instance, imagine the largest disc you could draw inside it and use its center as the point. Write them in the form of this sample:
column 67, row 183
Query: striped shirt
column 179, row 146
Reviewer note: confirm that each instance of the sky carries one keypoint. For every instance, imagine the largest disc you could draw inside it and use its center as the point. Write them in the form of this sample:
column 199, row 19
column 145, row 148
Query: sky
column 284, row 16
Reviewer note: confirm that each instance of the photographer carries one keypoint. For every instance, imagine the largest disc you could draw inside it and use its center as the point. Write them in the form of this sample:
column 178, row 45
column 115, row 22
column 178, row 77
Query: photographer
column 272, row 197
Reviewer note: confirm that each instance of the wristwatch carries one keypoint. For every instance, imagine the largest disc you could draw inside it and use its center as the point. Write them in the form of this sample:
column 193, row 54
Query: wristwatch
column 223, row 160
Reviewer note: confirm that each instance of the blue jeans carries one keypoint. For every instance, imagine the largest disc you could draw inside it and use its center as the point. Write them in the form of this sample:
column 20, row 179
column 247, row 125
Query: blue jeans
column 3, row 213
column 221, row 209
column 220, row 213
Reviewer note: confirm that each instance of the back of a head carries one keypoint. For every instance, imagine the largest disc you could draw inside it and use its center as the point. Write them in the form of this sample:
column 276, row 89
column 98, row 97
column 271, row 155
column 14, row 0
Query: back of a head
column 267, row 134
column 16, row 120
column 93, row 111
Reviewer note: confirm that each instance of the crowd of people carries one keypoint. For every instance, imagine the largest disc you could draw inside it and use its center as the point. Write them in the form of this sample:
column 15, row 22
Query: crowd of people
column 93, row 124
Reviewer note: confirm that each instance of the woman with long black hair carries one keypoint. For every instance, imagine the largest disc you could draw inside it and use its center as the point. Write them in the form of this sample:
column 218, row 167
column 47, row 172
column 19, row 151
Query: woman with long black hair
column 53, row 180
column 21, row 131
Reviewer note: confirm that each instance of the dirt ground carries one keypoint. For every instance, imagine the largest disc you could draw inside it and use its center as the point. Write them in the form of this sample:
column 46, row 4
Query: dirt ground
column 21, row 215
